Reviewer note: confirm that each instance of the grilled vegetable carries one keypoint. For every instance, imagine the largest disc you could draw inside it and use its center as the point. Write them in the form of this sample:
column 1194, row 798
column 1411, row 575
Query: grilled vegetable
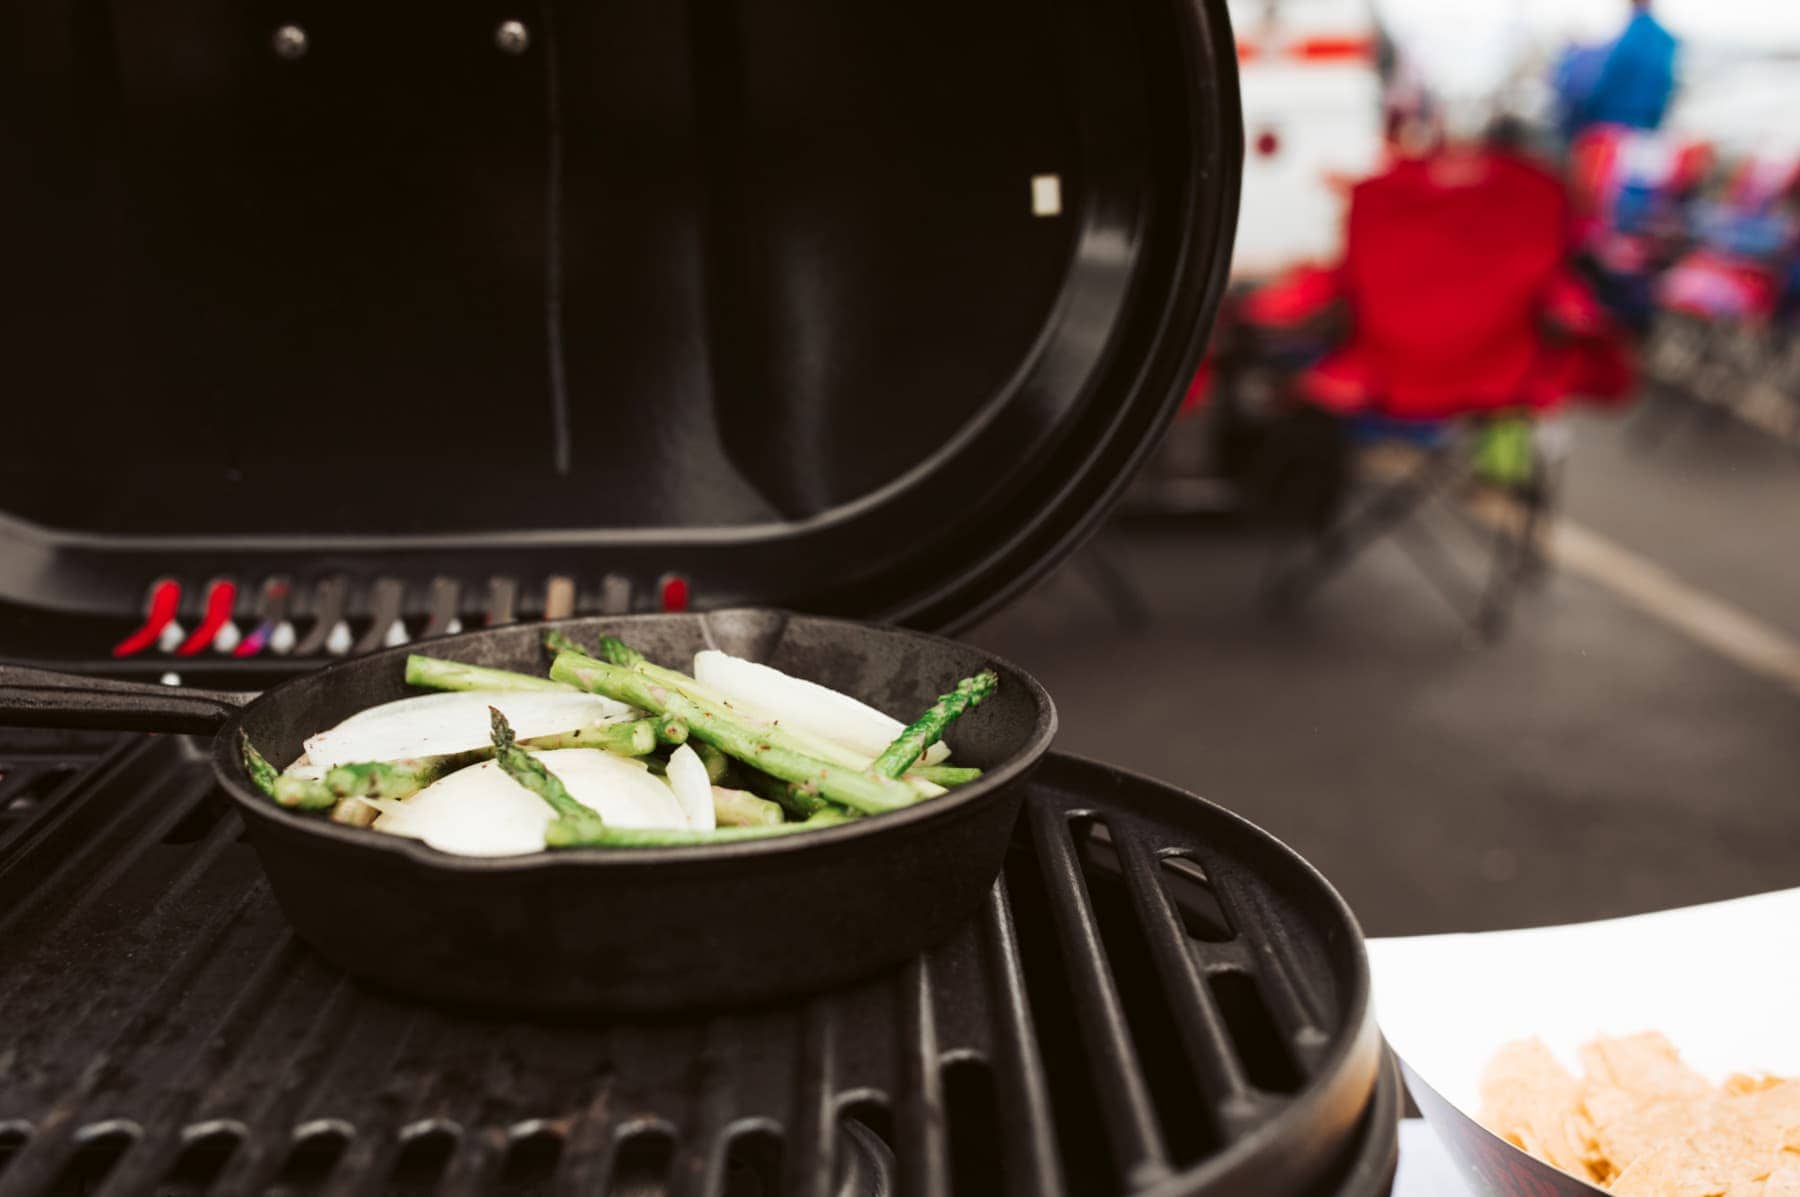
column 571, row 816
column 434, row 673
column 393, row 779
column 431, row 725
column 260, row 770
column 616, row 753
column 636, row 737
column 716, row 762
column 561, row 642
column 762, row 748
column 303, row 793
column 693, row 788
column 945, row 775
column 778, row 731
column 354, row 812
column 618, row 652
column 623, row 655
column 799, row 801
column 927, row 728
column 740, row 808
column 477, row 811
column 675, row 837
column 798, row 704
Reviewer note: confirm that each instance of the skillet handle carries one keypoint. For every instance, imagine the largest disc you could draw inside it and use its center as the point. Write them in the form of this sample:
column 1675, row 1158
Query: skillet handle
column 41, row 698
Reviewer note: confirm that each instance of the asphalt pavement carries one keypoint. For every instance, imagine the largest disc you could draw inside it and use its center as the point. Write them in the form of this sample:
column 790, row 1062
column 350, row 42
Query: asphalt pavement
column 1601, row 760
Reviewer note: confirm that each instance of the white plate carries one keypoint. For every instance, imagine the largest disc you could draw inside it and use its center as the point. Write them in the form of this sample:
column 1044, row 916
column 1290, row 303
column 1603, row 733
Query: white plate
column 1722, row 981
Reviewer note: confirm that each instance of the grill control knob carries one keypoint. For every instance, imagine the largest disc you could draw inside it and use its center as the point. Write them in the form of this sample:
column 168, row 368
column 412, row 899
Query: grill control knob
column 512, row 37
column 290, row 42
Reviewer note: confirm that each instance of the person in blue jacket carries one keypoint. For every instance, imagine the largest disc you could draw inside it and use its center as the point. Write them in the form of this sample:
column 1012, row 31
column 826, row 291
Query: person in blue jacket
column 1627, row 83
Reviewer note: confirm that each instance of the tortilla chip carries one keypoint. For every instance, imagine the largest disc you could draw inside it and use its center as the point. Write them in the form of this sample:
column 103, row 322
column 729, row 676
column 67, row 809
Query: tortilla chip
column 1625, row 1130
column 1675, row 1169
column 1529, row 1099
column 1778, row 1102
column 1643, row 1124
column 1646, row 1065
column 1784, row 1181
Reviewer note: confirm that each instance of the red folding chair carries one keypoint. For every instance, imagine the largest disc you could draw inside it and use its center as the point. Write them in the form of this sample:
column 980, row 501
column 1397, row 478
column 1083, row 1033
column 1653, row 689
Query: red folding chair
column 1462, row 311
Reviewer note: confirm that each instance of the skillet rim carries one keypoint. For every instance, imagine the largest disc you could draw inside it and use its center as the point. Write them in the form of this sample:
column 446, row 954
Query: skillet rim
column 228, row 767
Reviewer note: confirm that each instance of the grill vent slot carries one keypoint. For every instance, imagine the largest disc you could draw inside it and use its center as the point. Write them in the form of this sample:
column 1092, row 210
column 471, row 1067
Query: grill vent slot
column 865, row 1161
column 1192, row 893
column 100, row 1151
column 310, row 1161
column 199, row 1164
column 12, row 1141
column 641, row 1168
column 873, row 1115
column 1266, row 1059
column 531, row 1161
column 423, row 1157
column 974, row 1122
column 1175, row 1091
column 753, row 1164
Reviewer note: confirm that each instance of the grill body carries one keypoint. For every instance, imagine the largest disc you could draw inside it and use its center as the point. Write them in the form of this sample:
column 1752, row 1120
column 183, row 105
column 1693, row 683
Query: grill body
column 162, row 1029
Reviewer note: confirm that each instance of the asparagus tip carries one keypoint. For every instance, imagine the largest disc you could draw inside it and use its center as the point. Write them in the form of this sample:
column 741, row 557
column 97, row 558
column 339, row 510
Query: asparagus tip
column 502, row 730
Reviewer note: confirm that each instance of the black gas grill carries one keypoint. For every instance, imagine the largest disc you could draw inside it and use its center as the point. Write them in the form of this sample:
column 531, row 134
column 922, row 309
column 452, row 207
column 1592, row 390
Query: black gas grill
column 350, row 323
column 1088, row 1033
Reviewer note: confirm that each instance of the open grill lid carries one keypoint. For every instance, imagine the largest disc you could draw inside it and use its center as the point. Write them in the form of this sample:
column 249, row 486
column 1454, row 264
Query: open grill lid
column 865, row 310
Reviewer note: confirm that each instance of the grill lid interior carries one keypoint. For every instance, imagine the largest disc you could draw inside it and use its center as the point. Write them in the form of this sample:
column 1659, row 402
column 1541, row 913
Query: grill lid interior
column 727, row 290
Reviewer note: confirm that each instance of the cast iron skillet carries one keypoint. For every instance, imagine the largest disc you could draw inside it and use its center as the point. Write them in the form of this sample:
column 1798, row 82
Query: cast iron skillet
column 618, row 929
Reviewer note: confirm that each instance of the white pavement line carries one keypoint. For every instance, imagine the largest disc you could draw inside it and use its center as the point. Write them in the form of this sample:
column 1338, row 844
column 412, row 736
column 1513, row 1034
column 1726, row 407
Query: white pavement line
column 1727, row 630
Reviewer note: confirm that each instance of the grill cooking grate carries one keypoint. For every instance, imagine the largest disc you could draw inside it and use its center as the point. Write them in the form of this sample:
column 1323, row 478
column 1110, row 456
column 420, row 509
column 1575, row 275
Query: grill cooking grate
column 1130, row 1004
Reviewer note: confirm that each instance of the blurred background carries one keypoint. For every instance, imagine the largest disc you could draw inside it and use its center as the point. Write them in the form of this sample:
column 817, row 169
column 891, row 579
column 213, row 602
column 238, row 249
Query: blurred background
column 1470, row 566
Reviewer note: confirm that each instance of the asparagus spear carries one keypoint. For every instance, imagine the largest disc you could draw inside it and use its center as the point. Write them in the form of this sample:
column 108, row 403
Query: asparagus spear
column 618, row 652
column 562, row 642
column 626, row 657
column 671, row 731
column 636, row 738
column 260, row 770
column 946, row 775
column 928, row 728
column 560, row 834
column 572, row 818
column 394, row 779
column 739, row 808
column 435, row 673
column 767, row 749
column 303, row 793
column 353, row 812
column 715, row 761
column 798, row 801
column 386, row 779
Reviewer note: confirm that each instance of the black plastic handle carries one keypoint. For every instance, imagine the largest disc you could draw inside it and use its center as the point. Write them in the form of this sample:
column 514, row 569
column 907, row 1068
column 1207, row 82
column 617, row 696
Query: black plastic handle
column 41, row 698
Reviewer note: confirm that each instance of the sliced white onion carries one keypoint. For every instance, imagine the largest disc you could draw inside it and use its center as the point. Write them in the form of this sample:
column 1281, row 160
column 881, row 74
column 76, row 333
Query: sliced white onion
column 480, row 811
column 304, row 768
column 692, row 787
column 768, row 693
column 620, row 789
column 437, row 724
